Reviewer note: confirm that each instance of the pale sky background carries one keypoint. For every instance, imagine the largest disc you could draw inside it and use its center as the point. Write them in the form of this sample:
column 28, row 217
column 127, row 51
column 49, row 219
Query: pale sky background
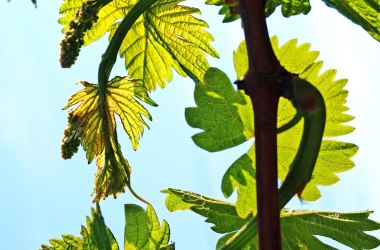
column 43, row 196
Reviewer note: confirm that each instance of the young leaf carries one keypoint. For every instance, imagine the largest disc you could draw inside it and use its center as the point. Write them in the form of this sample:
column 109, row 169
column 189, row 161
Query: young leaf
column 362, row 12
column 95, row 236
column 143, row 230
column 121, row 98
column 222, row 112
column 94, row 122
column 166, row 36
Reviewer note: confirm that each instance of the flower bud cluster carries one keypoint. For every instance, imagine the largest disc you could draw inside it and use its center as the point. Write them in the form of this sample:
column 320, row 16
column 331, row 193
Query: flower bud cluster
column 70, row 140
column 74, row 36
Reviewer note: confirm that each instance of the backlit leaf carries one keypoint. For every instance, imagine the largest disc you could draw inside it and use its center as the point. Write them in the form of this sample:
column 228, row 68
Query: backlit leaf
column 230, row 8
column 222, row 112
column 95, row 236
column 299, row 228
column 334, row 156
column 166, row 36
column 242, row 177
column 219, row 115
column 94, row 122
column 143, row 230
column 222, row 214
column 289, row 7
column 362, row 12
column 227, row 6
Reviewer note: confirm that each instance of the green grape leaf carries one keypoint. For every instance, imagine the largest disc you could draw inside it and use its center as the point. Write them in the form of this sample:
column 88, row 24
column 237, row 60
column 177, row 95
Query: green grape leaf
column 67, row 242
column 230, row 8
column 143, row 230
column 94, row 122
column 222, row 112
column 289, row 7
column 242, row 177
column 299, row 229
column 212, row 99
column 166, row 36
column 95, row 236
column 362, row 12
column 334, row 156
column 120, row 98
column 222, row 214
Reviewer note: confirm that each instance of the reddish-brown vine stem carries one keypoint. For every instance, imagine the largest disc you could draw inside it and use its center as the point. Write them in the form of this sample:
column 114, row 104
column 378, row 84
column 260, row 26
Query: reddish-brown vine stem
column 263, row 86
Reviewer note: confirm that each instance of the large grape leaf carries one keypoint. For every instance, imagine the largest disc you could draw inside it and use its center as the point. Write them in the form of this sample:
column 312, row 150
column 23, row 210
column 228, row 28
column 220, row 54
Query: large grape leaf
column 362, row 12
column 334, row 156
column 143, row 230
column 94, row 122
column 166, row 36
column 95, row 236
column 299, row 227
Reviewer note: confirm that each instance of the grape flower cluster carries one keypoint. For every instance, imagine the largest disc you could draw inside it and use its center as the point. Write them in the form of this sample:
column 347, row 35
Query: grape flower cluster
column 71, row 140
column 74, row 36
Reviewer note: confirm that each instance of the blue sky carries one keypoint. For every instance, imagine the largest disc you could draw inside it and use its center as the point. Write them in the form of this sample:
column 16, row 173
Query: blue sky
column 44, row 196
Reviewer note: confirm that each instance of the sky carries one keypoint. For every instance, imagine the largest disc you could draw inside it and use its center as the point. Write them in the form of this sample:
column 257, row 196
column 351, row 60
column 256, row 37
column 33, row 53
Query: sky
column 43, row 196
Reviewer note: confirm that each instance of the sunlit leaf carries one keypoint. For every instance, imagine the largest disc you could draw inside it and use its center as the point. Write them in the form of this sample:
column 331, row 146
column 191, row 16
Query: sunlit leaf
column 362, row 12
column 222, row 112
column 230, row 8
column 94, row 122
column 241, row 176
column 222, row 214
column 166, row 36
column 289, row 7
column 143, row 230
column 220, row 116
column 95, row 236
column 299, row 228
column 334, row 156
column 121, row 99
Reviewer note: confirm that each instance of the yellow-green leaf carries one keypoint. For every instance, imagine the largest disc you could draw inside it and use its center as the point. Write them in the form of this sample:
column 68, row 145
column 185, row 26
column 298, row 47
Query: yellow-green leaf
column 94, row 122
column 166, row 36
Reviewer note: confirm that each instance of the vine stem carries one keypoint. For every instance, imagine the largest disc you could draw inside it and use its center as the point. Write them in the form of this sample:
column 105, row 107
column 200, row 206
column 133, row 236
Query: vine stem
column 105, row 67
column 263, row 86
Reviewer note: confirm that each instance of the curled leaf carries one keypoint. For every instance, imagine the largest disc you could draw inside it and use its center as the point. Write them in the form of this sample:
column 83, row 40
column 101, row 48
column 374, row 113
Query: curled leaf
column 95, row 124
